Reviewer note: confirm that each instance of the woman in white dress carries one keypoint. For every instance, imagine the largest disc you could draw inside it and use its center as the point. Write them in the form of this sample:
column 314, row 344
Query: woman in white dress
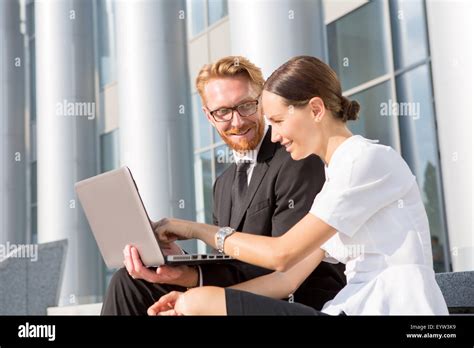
column 369, row 215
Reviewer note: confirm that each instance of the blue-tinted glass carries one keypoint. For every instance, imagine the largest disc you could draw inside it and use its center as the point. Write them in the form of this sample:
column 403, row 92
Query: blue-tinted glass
column 30, row 18
column 217, row 9
column 375, row 119
column 198, row 20
column 106, row 25
column 223, row 159
column 33, row 140
column 358, row 48
column 409, row 38
column 203, row 179
column 109, row 151
column 34, row 224
column 420, row 148
column 32, row 80
column 216, row 135
column 33, row 181
column 201, row 126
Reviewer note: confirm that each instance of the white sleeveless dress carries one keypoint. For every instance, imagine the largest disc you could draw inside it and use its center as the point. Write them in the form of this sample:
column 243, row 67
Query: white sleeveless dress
column 372, row 199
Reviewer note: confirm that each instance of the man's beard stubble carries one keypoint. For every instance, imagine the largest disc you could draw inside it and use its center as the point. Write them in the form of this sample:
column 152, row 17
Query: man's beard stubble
column 244, row 145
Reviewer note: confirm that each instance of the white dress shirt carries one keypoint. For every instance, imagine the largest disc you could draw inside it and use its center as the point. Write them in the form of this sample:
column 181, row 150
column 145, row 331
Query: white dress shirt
column 250, row 156
column 372, row 199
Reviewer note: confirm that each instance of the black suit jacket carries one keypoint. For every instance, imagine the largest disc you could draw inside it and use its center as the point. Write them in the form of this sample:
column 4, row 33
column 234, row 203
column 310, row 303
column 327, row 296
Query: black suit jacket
column 280, row 193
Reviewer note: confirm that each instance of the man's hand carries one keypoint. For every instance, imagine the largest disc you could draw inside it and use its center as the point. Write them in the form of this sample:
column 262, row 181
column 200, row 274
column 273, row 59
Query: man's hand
column 167, row 305
column 176, row 275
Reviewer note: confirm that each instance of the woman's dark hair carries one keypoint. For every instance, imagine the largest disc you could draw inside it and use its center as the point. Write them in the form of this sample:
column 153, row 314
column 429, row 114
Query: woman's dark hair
column 304, row 77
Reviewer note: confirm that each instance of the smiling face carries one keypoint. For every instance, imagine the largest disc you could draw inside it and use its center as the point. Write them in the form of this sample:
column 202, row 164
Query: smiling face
column 296, row 128
column 239, row 133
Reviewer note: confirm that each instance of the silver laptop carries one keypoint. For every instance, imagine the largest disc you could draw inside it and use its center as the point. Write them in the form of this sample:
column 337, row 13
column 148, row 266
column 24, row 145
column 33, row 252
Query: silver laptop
column 117, row 217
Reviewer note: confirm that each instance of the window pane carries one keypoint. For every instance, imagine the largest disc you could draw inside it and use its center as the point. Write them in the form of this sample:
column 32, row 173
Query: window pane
column 106, row 24
column 420, row 149
column 33, row 140
column 197, row 17
column 30, row 18
column 216, row 135
column 109, row 151
column 217, row 9
column 357, row 45
column 373, row 122
column 32, row 80
column 223, row 159
column 203, row 179
column 34, row 224
column 410, row 42
column 201, row 126
column 33, row 181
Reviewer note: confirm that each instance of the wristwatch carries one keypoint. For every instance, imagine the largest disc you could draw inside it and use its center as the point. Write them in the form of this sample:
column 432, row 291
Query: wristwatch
column 221, row 235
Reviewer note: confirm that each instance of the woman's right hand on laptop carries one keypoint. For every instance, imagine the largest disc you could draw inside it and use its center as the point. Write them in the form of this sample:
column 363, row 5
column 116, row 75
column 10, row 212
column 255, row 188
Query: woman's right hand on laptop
column 171, row 249
column 185, row 276
column 168, row 230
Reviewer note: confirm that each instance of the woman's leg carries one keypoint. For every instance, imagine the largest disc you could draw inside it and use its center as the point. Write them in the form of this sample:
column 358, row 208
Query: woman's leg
column 207, row 300
column 210, row 300
column 245, row 303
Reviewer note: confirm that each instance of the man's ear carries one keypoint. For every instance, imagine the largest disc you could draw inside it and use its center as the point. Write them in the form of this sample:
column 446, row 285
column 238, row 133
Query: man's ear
column 208, row 115
column 317, row 108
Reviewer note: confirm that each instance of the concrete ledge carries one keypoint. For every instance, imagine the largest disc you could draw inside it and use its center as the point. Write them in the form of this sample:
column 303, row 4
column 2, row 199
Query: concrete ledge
column 458, row 290
column 29, row 285
column 85, row 309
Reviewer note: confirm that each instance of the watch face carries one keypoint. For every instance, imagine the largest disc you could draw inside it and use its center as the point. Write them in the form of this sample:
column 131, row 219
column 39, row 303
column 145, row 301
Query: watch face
column 221, row 236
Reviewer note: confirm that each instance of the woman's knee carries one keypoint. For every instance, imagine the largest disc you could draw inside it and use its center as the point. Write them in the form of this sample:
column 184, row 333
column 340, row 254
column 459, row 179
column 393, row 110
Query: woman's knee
column 208, row 300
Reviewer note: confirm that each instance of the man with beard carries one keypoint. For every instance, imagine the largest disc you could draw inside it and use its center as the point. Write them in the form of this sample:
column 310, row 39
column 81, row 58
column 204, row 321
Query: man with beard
column 264, row 192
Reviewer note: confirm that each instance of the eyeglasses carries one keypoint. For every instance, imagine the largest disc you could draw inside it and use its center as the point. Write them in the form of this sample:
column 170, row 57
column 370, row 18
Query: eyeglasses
column 226, row 114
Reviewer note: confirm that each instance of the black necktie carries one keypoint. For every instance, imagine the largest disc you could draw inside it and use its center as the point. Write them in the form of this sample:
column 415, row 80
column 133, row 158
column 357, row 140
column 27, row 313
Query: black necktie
column 239, row 189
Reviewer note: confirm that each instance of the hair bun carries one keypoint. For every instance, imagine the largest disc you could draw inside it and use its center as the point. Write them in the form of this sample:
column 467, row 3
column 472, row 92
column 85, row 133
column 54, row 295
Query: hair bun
column 350, row 109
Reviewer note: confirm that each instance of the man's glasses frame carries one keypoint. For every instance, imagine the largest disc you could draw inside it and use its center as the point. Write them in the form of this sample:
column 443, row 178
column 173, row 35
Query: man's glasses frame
column 245, row 109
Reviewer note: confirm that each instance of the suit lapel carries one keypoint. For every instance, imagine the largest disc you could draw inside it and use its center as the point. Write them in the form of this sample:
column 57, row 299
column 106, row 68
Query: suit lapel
column 267, row 149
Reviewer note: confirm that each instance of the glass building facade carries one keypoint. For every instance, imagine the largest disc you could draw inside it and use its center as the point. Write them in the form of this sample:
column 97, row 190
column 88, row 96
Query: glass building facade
column 380, row 51
column 386, row 53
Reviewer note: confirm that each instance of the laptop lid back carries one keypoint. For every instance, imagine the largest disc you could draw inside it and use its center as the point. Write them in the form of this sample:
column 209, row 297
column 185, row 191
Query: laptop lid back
column 118, row 217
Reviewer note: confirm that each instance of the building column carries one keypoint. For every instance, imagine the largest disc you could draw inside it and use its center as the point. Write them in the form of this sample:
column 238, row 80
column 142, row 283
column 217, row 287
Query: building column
column 155, row 113
column 13, row 203
column 449, row 30
column 271, row 32
column 66, row 139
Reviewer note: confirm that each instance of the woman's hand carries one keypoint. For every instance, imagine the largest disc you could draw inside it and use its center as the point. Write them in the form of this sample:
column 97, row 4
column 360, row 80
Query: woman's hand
column 167, row 304
column 171, row 249
column 168, row 230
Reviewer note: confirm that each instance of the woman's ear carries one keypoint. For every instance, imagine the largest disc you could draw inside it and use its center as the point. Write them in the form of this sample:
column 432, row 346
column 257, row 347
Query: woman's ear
column 317, row 108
